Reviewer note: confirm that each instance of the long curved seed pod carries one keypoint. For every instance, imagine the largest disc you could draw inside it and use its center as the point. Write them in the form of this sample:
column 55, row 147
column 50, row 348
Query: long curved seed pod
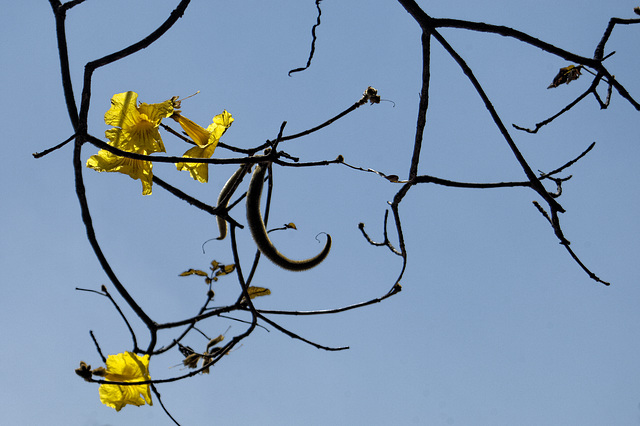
column 259, row 232
column 225, row 196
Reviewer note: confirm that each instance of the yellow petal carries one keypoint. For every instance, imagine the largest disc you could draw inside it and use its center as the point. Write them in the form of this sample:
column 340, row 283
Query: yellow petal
column 197, row 133
column 123, row 111
column 198, row 171
column 156, row 112
column 136, row 128
column 105, row 161
column 221, row 123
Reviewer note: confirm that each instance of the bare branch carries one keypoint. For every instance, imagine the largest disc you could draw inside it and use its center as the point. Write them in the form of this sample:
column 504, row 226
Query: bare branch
column 599, row 53
column 424, row 103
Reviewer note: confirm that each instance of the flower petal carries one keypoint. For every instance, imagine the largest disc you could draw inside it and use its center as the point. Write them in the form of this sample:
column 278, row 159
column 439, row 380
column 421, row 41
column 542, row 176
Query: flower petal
column 221, row 123
column 198, row 171
column 197, row 133
column 104, row 161
column 123, row 111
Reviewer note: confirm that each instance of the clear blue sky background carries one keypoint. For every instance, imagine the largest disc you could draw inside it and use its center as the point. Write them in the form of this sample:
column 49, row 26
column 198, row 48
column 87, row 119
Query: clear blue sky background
column 495, row 325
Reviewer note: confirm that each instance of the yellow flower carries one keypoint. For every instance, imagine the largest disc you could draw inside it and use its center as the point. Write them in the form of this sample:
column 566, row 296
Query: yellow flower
column 136, row 126
column 126, row 367
column 206, row 141
column 135, row 130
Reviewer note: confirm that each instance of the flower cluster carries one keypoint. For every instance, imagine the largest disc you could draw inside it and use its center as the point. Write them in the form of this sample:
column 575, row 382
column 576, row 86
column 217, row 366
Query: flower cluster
column 135, row 130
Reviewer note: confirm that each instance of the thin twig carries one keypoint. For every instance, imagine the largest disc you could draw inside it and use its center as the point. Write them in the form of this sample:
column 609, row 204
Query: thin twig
column 298, row 337
column 386, row 242
column 424, row 103
column 95, row 342
column 186, row 330
column 352, row 108
column 124, row 318
column 195, row 202
column 565, row 109
column 49, row 150
column 569, row 163
column 313, row 41
column 155, row 391
column 394, row 290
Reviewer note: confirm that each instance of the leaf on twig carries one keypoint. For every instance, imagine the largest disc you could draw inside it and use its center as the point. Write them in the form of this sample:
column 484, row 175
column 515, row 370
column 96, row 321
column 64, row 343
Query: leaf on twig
column 214, row 341
column 258, row 291
column 225, row 269
column 566, row 75
column 194, row 272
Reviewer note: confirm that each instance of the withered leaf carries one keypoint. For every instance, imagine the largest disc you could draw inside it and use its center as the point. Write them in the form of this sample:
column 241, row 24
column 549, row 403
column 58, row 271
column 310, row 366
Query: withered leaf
column 194, row 272
column 225, row 269
column 566, row 75
column 214, row 341
column 258, row 291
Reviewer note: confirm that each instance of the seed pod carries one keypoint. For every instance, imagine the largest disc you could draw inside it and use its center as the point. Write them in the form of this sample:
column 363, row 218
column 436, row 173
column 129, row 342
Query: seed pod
column 259, row 232
column 225, row 196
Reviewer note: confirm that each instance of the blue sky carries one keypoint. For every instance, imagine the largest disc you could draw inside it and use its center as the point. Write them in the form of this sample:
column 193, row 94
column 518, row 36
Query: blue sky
column 495, row 325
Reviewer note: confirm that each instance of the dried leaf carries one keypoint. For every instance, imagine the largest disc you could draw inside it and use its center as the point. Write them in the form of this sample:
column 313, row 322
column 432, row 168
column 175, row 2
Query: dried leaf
column 214, row 341
column 258, row 291
column 291, row 225
column 185, row 350
column 566, row 75
column 191, row 360
column 194, row 272
column 225, row 269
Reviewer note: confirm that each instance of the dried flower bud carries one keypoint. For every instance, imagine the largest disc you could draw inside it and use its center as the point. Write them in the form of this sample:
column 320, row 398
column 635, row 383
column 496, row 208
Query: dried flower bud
column 100, row 371
column 84, row 371
column 176, row 102
column 371, row 95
